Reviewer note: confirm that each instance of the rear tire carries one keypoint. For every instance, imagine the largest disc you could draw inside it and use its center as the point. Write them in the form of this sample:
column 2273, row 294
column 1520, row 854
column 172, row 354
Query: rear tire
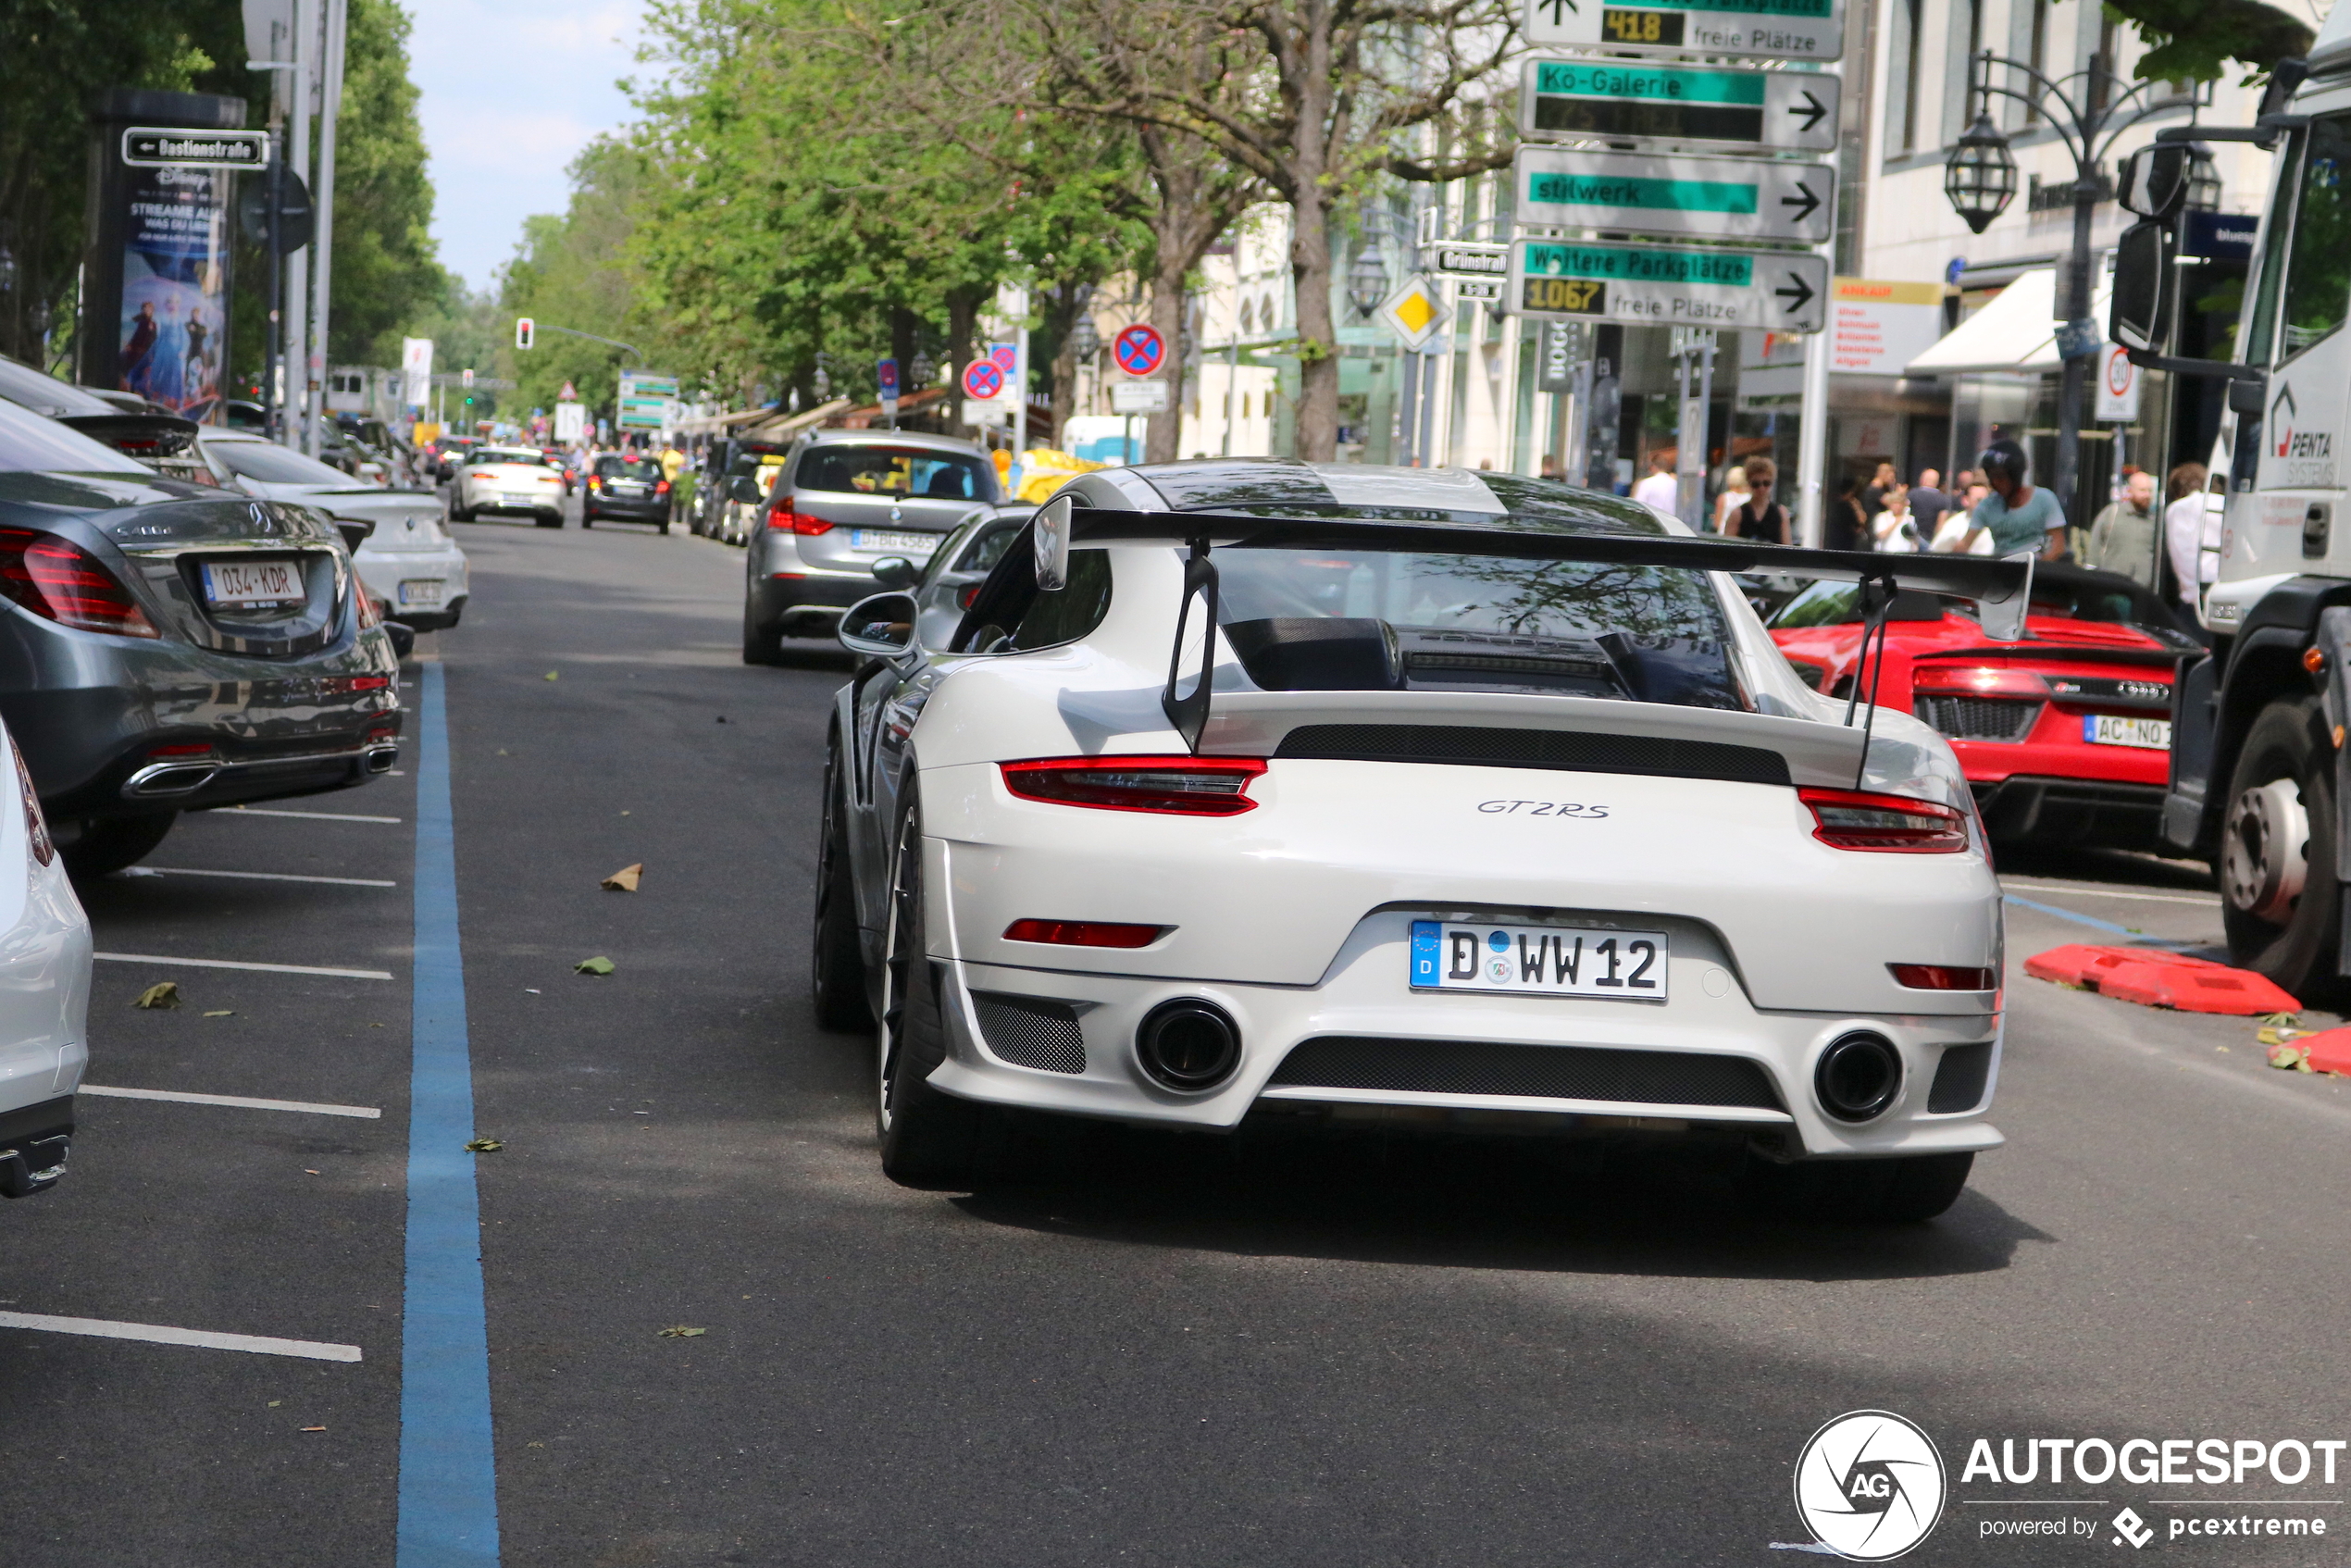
column 1903, row 1188
column 837, row 971
column 761, row 647
column 109, row 844
column 928, row 1138
column 2280, row 901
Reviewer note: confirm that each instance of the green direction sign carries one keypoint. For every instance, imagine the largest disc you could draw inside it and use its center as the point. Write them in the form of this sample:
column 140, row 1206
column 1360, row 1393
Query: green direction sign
column 1652, row 285
column 1759, row 30
column 1794, row 111
column 1703, row 198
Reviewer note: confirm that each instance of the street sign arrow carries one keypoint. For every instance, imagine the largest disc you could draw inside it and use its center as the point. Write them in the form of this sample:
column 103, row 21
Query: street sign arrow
column 1797, row 291
column 1612, row 98
column 1703, row 198
column 1804, row 201
column 1764, row 29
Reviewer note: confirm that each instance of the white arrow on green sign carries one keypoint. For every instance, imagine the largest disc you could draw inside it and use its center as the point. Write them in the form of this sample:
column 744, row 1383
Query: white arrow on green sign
column 1762, row 29
column 1784, row 110
column 1569, row 280
column 1703, row 198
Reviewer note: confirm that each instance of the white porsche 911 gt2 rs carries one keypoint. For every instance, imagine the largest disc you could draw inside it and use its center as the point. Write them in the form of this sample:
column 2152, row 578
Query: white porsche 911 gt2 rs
column 1498, row 798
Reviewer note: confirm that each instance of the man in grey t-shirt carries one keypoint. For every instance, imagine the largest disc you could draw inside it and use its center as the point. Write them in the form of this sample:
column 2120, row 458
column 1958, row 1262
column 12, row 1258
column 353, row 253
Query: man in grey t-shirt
column 1928, row 502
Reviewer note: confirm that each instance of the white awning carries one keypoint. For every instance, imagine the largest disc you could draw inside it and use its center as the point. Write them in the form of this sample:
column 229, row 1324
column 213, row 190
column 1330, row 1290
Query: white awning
column 2014, row 335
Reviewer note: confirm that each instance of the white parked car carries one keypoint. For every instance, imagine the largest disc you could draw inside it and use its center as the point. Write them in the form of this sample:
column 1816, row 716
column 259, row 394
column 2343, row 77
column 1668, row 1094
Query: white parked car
column 1501, row 800
column 507, row 481
column 44, row 997
column 409, row 566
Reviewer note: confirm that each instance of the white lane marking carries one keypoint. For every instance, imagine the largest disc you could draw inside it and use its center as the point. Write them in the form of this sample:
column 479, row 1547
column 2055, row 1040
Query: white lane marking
column 367, row 1112
column 2109, row 894
column 256, row 876
column 158, row 1333
column 229, row 964
column 313, row 815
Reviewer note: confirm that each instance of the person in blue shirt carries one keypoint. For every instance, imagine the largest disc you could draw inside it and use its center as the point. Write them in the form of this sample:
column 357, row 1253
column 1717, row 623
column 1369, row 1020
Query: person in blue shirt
column 2018, row 515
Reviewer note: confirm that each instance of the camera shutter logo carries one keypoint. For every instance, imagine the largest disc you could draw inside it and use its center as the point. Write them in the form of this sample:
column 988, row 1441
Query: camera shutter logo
column 1869, row 1484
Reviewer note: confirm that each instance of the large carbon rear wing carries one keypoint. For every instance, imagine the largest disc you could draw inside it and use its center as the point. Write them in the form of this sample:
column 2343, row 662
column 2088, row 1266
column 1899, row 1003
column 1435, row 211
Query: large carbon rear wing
column 2001, row 588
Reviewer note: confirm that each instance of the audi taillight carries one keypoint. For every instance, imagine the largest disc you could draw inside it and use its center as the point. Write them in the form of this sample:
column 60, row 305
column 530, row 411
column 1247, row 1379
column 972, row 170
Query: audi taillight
column 1859, row 819
column 36, row 826
column 1083, row 933
column 58, row 580
column 783, row 519
column 1181, row 786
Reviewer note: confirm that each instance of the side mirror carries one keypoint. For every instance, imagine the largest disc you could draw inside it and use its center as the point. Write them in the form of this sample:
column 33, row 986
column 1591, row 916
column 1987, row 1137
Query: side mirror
column 2154, row 180
column 354, row 534
column 2285, row 79
column 896, row 571
column 2004, row 621
column 2140, row 313
column 1051, row 539
column 881, row 627
column 403, row 638
column 2246, row 398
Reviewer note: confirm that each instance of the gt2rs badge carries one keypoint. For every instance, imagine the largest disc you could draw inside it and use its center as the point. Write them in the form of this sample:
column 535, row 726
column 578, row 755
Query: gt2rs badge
column 1541, row 808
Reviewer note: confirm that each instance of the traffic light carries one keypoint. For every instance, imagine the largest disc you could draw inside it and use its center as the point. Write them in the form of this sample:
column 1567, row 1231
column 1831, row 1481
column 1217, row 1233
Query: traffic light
column 524, row 328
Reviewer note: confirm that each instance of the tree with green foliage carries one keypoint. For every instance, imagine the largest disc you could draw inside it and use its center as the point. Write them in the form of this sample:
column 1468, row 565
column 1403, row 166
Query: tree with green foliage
column 2195, row 40
column 571, row 272
column 384, row 265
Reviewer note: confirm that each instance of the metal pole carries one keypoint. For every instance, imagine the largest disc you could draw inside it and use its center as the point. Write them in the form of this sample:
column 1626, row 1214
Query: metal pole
column 330, row 107
column 273, row 365
column 1812, row 440
column 1020, row 381
column 1705, row 418
column 297, row 276
column 1232, row 383
column 1407, row 417
column 2075, row 374
column 1425, row 449
column 1575, row 452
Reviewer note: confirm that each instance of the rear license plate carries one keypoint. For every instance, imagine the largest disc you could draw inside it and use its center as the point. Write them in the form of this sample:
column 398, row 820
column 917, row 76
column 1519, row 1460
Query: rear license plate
column 1551, row 960
column 627, row 487
column 2107, row 730
column 245, row 585
column 882, row 541
column 421, row 590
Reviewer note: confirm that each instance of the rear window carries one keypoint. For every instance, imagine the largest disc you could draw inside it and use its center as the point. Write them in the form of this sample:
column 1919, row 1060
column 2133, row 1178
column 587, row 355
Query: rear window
column 617, row 467
column 1377, row 620
column 507, row 455
column 28, row 442
column 899, row 471
column 272, row 463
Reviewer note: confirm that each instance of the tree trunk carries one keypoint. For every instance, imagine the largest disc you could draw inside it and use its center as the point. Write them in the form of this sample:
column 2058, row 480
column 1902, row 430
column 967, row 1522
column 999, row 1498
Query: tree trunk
column 1161, row 445
column 1317, row 333
column 901, row 341
column 1063, row 304
column 962, row 324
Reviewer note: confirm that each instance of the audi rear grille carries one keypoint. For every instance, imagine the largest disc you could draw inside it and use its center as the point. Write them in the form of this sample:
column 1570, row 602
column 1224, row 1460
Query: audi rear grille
column 1981, row 718
column 1546, row 1072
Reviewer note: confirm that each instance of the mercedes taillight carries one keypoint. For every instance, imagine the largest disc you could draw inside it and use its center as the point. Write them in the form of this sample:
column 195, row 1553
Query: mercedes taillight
column 58, row 580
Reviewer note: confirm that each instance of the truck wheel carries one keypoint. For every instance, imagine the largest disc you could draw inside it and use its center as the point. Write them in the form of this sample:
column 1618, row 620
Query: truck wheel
column 2280, row 901
column 928, row 1138
column 109, row 844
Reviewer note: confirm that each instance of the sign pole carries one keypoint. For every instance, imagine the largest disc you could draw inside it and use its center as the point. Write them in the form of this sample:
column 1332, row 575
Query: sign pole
column 1812, row 440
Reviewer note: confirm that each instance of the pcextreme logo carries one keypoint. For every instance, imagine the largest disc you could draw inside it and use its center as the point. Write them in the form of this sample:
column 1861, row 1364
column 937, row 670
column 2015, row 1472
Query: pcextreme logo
column 1871, row 1485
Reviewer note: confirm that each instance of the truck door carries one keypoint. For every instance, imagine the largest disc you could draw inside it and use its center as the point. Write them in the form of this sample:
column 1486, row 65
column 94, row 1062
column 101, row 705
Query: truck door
column 2297, row 323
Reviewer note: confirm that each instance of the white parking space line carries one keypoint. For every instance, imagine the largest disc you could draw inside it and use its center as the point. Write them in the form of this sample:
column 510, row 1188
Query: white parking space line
column 255, row 875
column 2111, row 893
column 366, row 1112
column 229, row 964
column 313, row 816
column 158, row 1333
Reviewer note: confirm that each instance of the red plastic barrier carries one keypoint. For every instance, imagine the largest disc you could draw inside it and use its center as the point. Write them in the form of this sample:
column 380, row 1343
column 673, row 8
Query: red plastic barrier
column 2153, row 977
column 2328, row 1050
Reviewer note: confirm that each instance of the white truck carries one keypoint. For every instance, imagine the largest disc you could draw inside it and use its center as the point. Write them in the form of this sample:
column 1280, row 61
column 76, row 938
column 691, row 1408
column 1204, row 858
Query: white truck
column 2261, row 779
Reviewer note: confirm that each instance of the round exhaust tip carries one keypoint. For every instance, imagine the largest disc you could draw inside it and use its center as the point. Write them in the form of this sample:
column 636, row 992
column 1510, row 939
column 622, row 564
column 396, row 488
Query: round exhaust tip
column 1188, row 1044
column 1859, row 1075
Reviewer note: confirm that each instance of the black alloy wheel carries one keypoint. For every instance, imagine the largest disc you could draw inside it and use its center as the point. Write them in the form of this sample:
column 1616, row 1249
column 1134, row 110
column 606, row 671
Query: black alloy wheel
column 928, row 1138
column 837, row 968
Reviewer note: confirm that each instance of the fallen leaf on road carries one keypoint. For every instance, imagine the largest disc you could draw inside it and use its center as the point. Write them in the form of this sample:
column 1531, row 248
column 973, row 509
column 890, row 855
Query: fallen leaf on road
column 682, row 1332
column 314, row 1429
column 164, row 993
column 2282, row 1020
column 2290, row 1059
column 275, row 1403
column 222, row 1013
column 593, row 966
column 551, row 675
column 624, row 880
column 2280, row 1035
column 307, row 1171
column 485, row 1146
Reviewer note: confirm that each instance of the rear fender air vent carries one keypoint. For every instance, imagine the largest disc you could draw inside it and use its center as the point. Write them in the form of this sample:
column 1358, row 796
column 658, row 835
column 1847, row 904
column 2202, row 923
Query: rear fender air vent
column 1566, row 749
column 1546, row 1072
column 1030, row 1031
column 1981, row 718
column 1961, row 1079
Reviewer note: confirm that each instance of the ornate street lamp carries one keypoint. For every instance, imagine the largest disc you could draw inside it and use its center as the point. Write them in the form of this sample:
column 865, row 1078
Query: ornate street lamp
column 1367, row 279
column 1084, row 339
column 2204, row 180
column 924, row 369
column 1980, row 175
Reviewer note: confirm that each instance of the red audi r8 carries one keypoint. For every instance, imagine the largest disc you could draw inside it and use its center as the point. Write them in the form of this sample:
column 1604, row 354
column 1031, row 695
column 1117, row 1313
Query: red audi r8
column 2065, row 735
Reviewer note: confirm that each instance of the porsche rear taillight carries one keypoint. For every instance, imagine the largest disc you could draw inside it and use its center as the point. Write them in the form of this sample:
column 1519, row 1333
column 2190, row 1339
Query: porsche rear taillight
column 36, row 826
column 1175, row 786
column 1942, row 978
column 1859, row 819
column 58, row 580
column 1083, row 933
column 783, row 519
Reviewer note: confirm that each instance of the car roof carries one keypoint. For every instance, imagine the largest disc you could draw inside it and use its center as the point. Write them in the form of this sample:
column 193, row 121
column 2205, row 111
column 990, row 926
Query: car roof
column 897, row 438
column 1278, row 486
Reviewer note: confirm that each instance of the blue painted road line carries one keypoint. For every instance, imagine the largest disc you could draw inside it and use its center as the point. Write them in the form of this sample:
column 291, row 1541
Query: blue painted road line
column 2028, row 904
column 448, row 1468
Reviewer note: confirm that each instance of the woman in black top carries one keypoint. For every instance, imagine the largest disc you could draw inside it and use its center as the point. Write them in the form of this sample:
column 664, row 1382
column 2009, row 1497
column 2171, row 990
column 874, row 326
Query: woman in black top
column 1761, row 518
column 1845, row 526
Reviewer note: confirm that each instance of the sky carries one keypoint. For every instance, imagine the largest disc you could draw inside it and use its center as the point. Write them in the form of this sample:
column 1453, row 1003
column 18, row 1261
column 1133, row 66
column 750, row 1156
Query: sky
column 511, row 90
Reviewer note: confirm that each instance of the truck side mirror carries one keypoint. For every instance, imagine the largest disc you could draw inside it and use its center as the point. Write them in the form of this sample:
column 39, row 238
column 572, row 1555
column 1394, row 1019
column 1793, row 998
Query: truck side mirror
column 2140, row 312
column 2154, row 180
column 2246, row 397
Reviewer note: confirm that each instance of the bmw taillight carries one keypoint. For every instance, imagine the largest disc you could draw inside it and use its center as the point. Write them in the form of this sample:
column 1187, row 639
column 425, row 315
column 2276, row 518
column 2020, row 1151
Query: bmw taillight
column 661, row 487
column 1180, row 786
column 783, row 519
column 36, row 826
column 1859, row 819
column 595, row 481
column 58, row 580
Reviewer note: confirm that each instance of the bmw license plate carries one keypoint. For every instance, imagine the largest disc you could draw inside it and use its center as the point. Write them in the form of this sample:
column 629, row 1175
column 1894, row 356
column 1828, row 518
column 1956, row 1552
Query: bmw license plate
column 627, row 487
column 1549, row 960
column 245, row 585
column 882, row 541
column 2107, row 730
column 420, row 592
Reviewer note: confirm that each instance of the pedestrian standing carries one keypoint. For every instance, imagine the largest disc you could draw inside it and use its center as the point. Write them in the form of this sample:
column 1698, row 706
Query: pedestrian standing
column 2014, row 513
column 1844, row 526
column 1873, row 498
column 1928, row 502
column 1894, row 530
column 1733, row 496
column 2184, row 523
column 2122, row 538
column 1759, row 518
column 1660, row 493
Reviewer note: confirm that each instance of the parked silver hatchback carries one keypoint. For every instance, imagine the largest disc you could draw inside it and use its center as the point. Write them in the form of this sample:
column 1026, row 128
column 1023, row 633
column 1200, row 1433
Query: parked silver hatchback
column 844, row 499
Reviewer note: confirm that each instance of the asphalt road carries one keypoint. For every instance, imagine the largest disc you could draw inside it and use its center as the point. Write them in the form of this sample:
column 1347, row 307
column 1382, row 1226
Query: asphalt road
column 1320, row 1350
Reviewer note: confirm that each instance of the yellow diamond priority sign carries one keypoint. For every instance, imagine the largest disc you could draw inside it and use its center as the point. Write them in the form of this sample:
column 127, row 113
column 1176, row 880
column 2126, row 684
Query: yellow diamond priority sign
column 1416, row 312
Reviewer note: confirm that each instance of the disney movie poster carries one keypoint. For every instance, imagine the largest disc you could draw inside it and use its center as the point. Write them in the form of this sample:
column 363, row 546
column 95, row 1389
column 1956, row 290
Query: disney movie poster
column 175, row 287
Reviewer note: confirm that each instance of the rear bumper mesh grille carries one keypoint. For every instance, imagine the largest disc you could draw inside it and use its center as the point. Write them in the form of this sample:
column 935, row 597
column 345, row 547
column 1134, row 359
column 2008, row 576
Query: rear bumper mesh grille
column 1031, row 1032
column 1569, row 750
column 1549, row 1071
